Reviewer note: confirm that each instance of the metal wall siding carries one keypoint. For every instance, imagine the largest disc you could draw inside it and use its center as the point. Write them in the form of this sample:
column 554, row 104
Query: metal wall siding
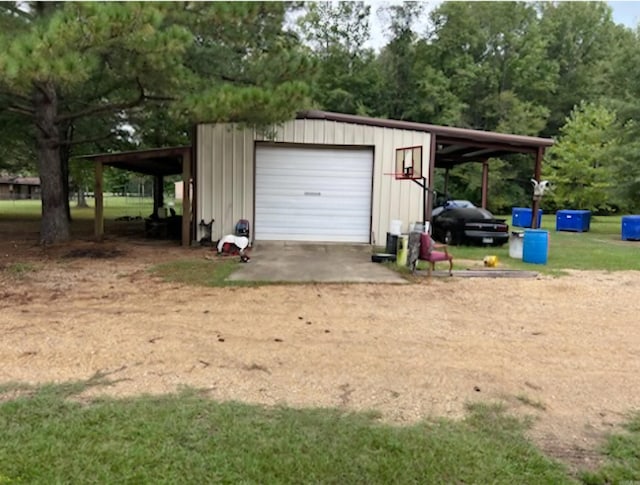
column 225, row 164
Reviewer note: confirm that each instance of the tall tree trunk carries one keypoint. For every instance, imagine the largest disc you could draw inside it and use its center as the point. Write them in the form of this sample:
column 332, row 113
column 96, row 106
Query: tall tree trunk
column 65, row 155
column 82, row 200
column 54, row 227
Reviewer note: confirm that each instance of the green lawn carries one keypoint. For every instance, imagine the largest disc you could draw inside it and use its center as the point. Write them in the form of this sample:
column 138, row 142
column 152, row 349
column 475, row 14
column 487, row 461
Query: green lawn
column 114, row 206
column 49, row 438
column 600, row 249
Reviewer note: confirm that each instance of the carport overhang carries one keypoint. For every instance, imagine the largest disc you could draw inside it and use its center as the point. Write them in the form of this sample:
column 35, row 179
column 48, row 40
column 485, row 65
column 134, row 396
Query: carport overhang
column 159, row 162
column 454, row 146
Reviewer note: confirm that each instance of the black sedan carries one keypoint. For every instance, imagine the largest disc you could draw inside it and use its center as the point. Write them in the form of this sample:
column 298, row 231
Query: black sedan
column 461, row 222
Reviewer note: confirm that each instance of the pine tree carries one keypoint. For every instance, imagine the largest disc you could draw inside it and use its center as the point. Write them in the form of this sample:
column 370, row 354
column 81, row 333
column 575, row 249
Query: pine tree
column 61, row 62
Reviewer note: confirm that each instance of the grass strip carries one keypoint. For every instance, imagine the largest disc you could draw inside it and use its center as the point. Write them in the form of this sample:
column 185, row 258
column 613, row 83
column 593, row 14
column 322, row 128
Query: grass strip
column 49, row 436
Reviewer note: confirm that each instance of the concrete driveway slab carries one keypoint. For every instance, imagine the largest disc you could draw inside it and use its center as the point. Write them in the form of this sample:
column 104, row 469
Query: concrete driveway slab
column 313, row 262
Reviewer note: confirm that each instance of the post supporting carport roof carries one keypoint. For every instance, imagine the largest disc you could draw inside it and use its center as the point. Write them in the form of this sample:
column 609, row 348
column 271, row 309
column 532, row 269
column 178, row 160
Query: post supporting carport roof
column 186, row 198
column 155, row 161
column 485, row 183
column 99, row 202
column 428, row 202
column 537, row 174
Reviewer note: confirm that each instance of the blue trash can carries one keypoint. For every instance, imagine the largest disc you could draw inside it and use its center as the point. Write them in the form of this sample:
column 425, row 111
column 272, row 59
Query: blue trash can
column 536, row 246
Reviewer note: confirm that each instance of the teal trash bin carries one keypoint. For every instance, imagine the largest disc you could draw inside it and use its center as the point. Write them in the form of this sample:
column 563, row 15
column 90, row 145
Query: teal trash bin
column 536, row 246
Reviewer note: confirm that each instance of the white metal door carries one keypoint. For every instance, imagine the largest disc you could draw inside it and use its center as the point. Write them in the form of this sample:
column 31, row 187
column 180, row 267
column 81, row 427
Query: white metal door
column 313, row 194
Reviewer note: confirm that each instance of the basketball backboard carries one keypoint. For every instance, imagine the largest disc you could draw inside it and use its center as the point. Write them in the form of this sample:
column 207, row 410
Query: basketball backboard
column 408, row 163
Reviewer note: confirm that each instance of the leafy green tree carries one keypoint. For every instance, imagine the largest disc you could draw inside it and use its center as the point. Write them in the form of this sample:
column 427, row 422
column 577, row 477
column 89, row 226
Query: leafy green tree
column 344, row 79
column 17, row 155
column 495, row 57
column 581, row 38
column 624, row 81
column 578, row 165
column 397, row 62
column 64, row 62
column 245, row 66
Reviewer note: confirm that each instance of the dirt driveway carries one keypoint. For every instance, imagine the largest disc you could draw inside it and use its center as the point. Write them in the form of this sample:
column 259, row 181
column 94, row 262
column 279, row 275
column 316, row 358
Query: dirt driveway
column 565, row 350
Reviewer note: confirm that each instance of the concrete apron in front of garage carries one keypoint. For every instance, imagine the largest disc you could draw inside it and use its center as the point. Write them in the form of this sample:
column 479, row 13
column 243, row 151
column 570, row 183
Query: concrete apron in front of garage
column 299, row 262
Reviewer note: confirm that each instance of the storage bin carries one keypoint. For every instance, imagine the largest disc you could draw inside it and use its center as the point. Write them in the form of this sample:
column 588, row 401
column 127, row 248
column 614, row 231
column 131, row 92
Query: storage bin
column 573, row 220
column 631, row 228
column 521, row 217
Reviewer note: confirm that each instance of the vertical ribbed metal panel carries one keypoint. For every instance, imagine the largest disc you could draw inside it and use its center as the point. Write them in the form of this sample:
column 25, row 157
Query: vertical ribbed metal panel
column 225, row 164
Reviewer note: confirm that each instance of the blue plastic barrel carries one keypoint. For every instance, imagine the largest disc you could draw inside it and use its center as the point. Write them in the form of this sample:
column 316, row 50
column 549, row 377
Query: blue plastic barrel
column 535, row 246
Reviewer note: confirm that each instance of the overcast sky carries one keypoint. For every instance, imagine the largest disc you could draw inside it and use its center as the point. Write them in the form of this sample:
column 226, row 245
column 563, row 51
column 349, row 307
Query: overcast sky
column 627, row 13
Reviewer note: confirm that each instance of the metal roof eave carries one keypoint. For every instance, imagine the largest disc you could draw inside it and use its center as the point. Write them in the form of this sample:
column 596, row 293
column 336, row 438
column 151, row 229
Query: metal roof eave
column 446, row 134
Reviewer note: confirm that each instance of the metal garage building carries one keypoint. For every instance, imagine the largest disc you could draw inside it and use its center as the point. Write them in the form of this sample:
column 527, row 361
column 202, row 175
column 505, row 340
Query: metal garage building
column 321, row 177
column 308, row 180
column 330, row 176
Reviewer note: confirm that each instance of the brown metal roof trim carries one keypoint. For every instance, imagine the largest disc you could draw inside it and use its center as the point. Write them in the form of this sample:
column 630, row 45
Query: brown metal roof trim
column 445, row 131
column 138, row 154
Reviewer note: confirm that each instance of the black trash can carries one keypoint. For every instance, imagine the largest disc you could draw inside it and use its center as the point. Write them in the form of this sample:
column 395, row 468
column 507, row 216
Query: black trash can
column 392, row 244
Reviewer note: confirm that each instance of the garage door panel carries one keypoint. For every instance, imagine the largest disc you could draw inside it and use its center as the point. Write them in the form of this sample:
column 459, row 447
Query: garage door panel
column 313, row 194
column 283, row 198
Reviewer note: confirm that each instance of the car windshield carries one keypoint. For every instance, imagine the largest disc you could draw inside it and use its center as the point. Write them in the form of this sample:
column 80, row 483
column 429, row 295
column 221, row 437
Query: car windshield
column 453, row 204
column 462, row 204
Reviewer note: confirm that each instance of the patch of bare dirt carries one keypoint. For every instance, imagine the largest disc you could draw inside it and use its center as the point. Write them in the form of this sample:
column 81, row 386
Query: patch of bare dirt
column 563, row 350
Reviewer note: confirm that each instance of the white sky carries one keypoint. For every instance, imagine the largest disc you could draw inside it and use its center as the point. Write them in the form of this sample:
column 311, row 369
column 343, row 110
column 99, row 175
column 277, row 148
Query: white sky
column 624, row 12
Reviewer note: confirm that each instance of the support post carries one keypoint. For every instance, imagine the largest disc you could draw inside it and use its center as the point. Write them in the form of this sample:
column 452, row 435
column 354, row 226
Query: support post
column 98, row 218
column 158, row 193
column 485, row 183
column 537, row 174
column 446, row 182
column 432, row 163
column 186, row 198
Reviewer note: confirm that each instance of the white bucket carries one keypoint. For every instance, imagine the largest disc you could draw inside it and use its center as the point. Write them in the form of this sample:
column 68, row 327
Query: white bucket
column 516, row 245
column 395, row 227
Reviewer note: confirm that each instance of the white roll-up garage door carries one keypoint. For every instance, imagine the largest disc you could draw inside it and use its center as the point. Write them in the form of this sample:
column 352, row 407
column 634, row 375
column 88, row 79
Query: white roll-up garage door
column 313, row 194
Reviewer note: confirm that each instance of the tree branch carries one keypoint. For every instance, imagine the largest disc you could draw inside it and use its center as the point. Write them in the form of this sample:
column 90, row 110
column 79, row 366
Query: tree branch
column 142, row 97
column 12, row 95
column 23, row 110
column 86, row 140
column 245, row 82
column 8, row 7
column 160, row 98
column 101, row 109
